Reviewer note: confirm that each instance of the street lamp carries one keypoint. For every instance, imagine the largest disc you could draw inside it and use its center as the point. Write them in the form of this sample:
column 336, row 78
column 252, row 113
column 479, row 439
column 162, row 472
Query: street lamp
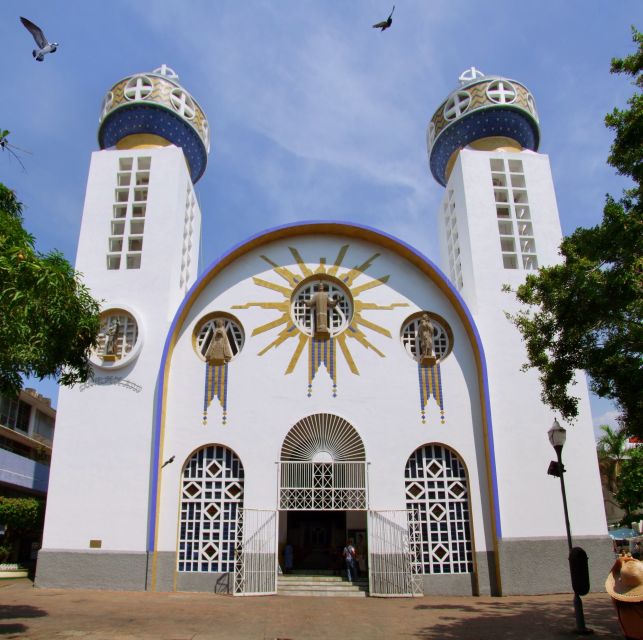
column 577, row 557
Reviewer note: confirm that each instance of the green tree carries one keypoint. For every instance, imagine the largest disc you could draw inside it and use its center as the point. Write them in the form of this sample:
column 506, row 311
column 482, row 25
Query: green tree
column 630, row 480
column 611, row 453
column 587, row 313
column 49, row 321
column 20, row 516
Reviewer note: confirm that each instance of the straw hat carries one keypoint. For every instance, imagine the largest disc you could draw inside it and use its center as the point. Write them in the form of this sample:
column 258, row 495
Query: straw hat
column 625, row 581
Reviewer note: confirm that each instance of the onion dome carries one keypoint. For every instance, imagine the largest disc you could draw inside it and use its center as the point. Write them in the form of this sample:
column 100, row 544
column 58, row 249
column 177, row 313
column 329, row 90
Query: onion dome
column 485, row 112
column 153, row 109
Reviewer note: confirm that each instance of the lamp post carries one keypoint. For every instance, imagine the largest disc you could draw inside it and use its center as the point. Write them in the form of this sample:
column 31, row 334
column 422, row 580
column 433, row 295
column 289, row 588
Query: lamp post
column 557, row 436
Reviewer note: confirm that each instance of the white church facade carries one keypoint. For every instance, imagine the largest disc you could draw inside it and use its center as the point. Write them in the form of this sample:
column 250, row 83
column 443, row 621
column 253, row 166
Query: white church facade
column 321, row 381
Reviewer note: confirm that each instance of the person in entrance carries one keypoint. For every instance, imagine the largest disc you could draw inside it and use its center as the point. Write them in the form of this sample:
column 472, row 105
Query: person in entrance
column 349, row 559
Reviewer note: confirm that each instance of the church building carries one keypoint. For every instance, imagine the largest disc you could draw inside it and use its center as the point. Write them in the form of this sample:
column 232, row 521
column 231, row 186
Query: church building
column 320, row 382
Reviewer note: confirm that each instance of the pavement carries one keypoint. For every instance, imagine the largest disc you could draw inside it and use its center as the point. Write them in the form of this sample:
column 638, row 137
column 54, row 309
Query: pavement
column 59, row 614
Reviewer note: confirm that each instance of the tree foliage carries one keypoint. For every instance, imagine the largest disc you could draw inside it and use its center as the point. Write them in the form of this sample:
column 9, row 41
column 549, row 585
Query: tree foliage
column 49, row 321
column 587, row 312
column 21, row 515
column 630, row 482
column 611, row 453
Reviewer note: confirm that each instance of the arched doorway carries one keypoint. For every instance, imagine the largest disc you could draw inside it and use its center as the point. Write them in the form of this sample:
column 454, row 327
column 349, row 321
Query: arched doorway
column 322, row 491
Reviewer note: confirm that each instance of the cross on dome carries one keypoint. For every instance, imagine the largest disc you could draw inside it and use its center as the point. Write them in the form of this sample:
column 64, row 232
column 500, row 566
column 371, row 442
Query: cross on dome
column 166, row 71
column 469, row 75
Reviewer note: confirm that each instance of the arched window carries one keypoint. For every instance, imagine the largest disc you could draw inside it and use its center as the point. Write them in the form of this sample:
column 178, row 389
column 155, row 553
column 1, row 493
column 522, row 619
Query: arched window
column 211, row 498
column 437, row 492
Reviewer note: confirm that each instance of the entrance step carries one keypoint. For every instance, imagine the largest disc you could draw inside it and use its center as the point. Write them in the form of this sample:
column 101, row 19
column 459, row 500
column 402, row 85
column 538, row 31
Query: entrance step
column 320, row 585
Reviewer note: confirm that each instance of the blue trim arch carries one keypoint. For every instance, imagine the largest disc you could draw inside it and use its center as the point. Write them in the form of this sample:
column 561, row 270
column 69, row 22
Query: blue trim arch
column 306, row 228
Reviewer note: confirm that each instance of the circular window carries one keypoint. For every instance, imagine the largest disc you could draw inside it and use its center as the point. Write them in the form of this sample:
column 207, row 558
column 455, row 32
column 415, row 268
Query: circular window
column 218, row 338
column 417, row 332
column 108, row 100
column 321, row 307
column 501, row 92
column 456, row 105
column 183, row 103
column 138, row 88
column 118, row 340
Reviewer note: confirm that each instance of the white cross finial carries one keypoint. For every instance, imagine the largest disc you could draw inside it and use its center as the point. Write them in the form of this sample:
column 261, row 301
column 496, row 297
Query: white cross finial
column 166, row 71
column 470, row 74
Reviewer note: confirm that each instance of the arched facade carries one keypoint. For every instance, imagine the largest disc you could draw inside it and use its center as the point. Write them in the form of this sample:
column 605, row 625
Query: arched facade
column 323, row 411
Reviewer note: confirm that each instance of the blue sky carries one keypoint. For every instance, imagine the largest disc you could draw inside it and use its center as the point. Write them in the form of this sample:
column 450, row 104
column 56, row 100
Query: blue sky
column 313, row 113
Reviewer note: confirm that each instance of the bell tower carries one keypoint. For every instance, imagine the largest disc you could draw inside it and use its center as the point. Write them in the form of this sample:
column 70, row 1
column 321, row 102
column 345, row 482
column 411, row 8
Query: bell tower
column 138, row 253
column 498, row 222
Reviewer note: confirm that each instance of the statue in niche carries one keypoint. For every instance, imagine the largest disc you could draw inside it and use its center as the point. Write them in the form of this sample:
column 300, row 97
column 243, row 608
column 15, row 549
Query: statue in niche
column 219, row 350
column 321, row 302
column 111, row 336
column 426, row 333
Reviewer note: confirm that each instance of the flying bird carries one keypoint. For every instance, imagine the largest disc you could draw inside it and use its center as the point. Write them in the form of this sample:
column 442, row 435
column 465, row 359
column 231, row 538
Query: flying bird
column 385, row 24
column 168, row 461
column 44, row 46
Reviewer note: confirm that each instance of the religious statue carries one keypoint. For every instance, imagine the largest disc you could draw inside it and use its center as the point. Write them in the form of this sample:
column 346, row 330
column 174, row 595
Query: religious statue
column 219, row 350
column 321, row 302
column 426, row 333
column 111, row 336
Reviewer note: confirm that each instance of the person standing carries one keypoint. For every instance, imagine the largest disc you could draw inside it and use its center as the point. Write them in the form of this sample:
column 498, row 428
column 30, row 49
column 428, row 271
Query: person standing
column 288, row 557
column 349, row 559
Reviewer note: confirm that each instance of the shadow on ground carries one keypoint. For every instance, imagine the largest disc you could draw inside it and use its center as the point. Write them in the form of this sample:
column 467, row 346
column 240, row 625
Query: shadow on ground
column 17, row 612
column 518, row 620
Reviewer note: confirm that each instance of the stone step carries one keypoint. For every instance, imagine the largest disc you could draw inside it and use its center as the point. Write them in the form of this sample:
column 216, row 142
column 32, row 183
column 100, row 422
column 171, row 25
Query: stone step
column 323, row 586
column 323, row 594
column 295, row 578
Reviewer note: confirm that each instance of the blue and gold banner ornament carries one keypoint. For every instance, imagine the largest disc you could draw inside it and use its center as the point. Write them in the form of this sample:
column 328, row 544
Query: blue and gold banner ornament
column 322, row 352
column 430, row 380
column 216, row 386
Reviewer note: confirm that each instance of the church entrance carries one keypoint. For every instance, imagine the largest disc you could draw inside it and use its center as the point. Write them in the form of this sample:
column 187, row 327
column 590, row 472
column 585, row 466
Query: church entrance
column 317, row 538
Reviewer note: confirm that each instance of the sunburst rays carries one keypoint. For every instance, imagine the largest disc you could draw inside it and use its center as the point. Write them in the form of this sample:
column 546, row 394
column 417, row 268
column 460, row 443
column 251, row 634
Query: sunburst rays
column 346, row 277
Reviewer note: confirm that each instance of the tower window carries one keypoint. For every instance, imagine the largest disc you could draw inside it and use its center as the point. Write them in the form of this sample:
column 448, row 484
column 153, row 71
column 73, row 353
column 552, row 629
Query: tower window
column 129, row 188
column 120, row 210
column 517, row 244
column 133, row 261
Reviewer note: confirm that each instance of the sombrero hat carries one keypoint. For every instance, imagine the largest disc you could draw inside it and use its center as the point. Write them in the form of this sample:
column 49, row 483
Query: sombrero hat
column 625, row 580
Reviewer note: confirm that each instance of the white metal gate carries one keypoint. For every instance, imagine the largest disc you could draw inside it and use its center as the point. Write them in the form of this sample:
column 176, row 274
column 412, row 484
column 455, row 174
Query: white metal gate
column 255, row 571
column 393, row 538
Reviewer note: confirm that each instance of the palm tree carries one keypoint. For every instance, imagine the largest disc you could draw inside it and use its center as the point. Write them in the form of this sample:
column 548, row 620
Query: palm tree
column 612, row 450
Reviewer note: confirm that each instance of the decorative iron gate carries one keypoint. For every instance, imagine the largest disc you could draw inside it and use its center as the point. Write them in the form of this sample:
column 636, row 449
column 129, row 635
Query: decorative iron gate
column 393, row 542
column 315, row 486
column 255, row 571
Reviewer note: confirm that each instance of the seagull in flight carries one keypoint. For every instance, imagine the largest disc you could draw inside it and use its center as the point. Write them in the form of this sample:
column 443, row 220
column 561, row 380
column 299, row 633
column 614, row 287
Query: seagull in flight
column 385, row 24
column 44, row 46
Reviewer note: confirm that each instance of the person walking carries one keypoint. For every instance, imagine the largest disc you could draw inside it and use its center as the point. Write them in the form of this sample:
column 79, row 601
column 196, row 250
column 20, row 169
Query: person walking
column 349, row 559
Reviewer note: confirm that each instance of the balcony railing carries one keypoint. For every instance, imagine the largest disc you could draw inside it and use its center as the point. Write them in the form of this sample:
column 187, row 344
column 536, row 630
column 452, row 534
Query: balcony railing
column 316, row 486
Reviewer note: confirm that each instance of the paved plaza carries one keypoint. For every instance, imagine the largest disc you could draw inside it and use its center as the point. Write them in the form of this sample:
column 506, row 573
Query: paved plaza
column 52, row 614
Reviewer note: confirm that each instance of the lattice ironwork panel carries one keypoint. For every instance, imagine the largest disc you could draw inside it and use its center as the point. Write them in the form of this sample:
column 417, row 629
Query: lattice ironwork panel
column 211, row 499
column 438, row 496
column 322, row 486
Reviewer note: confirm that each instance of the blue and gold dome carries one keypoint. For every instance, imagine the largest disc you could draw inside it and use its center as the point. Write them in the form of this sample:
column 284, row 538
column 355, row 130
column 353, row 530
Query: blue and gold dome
column 485, row 112
column 153, row 109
